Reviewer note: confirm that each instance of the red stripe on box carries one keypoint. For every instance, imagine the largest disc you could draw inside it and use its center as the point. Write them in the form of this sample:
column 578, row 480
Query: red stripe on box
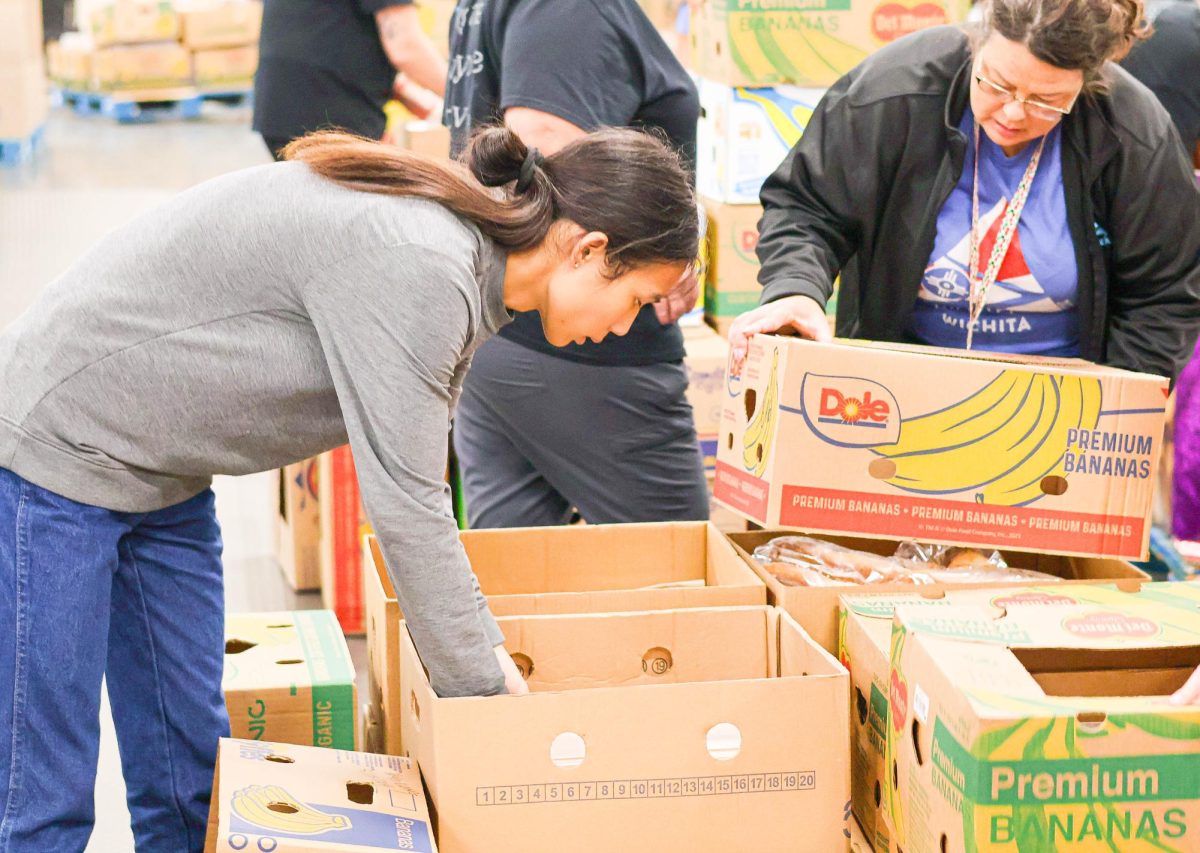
column 347, row 551
column 742, row 492
column 902, row 516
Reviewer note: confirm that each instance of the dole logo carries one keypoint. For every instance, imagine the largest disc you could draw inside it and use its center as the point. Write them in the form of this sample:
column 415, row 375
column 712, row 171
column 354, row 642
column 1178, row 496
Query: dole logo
column 898, row 694
column 849, row 411
column 1106, row 625
column 748, row 239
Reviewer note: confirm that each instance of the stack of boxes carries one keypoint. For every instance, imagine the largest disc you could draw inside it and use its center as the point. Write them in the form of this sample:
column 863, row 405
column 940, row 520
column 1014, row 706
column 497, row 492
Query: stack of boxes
column 223, row 39
column 762, row 70
column 147, row 50
column 23, row 97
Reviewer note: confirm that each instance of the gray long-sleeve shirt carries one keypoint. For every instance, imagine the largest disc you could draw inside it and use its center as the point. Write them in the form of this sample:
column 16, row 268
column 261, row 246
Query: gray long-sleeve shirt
column 253, row 321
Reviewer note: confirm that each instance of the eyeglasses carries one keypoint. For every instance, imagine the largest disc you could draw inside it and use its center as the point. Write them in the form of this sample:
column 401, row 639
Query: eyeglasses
column 1037, row 109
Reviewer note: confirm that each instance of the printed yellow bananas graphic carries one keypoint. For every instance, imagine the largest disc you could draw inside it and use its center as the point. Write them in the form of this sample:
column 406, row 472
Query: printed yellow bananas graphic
column 761, row 429
column 273, row 808
column 1000, row 444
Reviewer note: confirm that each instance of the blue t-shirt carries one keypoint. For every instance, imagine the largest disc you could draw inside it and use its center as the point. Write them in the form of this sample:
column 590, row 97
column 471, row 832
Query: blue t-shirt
column 1032, row 306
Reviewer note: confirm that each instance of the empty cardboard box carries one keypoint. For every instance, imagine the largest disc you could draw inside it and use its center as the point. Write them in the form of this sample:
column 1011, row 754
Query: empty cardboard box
column 289, row 679
column 707, row 729
column 577, row 569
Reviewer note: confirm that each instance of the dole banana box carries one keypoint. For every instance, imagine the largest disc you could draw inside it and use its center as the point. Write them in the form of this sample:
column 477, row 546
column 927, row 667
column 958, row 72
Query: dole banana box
column 803, row 42
column 864, row 640
column 226, row 68
column 289, row 678
column 816, row 608
column 704, row 729
column 1045, row 728
column 744, row 134
column 130, row 21
column 297, row 799
column 141, row 67
column 899, row 442
column 343, row 524
column 731, row 281
column 70, row 61
column 207, row 26
column 575, row 569
column 707, row 354
column 298, row 525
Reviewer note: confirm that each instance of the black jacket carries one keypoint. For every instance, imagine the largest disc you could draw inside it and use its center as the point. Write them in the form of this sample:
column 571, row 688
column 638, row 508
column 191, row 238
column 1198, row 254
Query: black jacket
column 861, row 192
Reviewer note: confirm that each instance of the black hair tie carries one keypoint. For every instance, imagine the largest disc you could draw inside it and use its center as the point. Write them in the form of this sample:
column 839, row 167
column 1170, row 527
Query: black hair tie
column 525, row 177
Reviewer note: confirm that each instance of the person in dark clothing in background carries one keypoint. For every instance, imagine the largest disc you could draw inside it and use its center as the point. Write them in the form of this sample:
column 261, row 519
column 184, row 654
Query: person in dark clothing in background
column 602, row 427
column 334, row 63
column 1168, row 64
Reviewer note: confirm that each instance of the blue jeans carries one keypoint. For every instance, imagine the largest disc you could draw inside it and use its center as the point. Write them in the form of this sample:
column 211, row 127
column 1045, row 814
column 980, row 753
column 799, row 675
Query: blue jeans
column 137, row 598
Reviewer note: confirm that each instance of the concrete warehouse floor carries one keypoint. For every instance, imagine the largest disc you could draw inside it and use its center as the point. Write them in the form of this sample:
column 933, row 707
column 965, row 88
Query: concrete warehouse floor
column 91, row 176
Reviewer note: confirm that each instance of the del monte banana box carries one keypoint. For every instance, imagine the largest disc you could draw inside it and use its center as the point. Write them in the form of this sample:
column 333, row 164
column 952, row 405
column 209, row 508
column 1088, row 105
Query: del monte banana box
column 289, row 679
column 805, row 42
column 1045, row 728
column 864, row 641
column 978, row 449
column 295, row 799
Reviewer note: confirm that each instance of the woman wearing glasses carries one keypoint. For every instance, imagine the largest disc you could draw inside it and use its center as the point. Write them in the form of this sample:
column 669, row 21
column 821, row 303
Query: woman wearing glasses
column 1008, row 189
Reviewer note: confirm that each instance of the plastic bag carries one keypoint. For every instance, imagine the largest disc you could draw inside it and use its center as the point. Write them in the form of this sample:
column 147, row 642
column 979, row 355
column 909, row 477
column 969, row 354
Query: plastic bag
column 951, row 564
column 803, row 561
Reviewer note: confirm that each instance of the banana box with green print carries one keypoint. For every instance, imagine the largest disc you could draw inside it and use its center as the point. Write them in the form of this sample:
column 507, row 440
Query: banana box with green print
column 1044, row 728
column 731, row 277
column 804, row 42
column 744, row 134
column 284, row 798
column 963, row 448
column 289, row 679
column 864, row 640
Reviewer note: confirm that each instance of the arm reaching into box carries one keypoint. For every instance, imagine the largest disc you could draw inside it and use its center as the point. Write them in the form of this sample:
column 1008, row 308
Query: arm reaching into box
column 395, row 350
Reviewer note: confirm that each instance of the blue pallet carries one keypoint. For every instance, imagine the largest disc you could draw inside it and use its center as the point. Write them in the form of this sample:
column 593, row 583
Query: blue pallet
column 1165, row 563
column 127, row 111
column 14, row 152
column 230, row 97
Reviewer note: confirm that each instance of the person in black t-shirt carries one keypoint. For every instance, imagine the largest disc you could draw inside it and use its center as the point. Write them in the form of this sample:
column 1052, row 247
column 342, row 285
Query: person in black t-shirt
column 334, row 63
column 602, row 427
column 1168, row 64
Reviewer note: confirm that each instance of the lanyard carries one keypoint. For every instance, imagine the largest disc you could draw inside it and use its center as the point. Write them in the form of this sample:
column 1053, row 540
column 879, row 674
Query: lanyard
column 977, row 296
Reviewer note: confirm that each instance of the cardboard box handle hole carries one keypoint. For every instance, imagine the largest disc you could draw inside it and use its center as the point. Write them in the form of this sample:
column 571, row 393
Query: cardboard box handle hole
column 416, row 708
column 236, row 647
column 916, row 739
column 751, row 399
column 283, row 808
column 280, row 759
column 524, row 664
column 279, row 626
column 289, row 661
column 362, row 793
column 723, row 741
column 568, row 750
column 657, row 661
column 860, row 704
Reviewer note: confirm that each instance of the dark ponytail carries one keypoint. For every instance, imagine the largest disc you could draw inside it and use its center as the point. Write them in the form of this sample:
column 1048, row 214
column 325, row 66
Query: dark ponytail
column 624, row 183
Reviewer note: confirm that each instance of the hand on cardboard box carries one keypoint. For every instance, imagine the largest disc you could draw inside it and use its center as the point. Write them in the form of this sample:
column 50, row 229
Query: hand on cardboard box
column 513, row 682
column 800, row 314
column 1189, row 694
column 680, row 300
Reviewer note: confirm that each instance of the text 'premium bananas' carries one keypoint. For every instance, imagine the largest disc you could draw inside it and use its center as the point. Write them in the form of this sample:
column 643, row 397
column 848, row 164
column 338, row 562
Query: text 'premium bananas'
column 887, row 440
